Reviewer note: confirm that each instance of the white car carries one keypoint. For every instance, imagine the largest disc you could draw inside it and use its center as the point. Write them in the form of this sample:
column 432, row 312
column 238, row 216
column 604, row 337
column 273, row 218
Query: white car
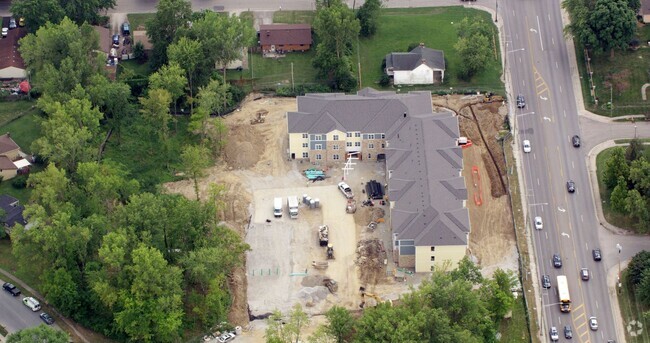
column 554, row 334
column 527, row 147
column 593, row 323
column 538, row 223
column 226, row 337
column 5, row 32
column 32, row 303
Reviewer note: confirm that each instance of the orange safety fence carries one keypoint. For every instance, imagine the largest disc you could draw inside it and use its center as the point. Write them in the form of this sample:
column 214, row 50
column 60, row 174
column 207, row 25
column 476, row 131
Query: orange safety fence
column 476, row 180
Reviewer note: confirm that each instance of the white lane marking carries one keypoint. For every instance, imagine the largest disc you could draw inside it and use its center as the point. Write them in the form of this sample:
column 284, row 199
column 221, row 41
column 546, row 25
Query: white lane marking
column 596, row 304
column 582, row 219
column 586, row 246
column 564, row 114
column 560, row 87
column 538, row 181
column 534, row 157
column 547, row 118
column 556, row 65
column 533, row 30
column 546, row 234
column 540, row 34
column 543, row 98
column 553, row 40
column 561, row 209
column 549, row 17
column 573, row 165
column 566, row 234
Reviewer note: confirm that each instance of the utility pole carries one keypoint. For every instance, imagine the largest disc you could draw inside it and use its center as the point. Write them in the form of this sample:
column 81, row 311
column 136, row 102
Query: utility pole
column 611, row 99
column 293, row 88
column 618, row 278
column 496, row 12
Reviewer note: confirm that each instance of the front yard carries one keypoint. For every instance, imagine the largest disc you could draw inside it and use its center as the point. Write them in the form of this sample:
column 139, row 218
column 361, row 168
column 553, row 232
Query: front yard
column 635, row 323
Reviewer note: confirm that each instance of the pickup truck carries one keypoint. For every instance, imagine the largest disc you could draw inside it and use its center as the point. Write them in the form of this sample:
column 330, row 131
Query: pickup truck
column 346, row 190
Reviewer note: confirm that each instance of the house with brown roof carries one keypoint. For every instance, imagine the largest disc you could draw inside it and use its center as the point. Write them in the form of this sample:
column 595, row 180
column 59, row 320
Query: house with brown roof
column 12, row 65
column 281, row 38
column 12, row 160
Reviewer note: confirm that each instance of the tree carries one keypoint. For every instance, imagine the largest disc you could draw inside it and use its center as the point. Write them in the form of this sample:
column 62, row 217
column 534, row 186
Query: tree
column 474, row 53
column 634, row 150
column 37, row 12
column 278, row 332
column 214, row 97
column 171, row 77
column 194, row 160
column 187, row 54
column 62, row 291
column 155, row 110
column 41, row 333
column 85, row 10
column 640, row 176
column 70, row 133
column 171, row 15
column 368, row 15
column 113, row 99
column 637, row 206
column 613, row 24
column 637, row 266
column 339, row 323
column 498, row 290
column 615, row 166
column 106, row 185
column 618, row 198
column 60, row 56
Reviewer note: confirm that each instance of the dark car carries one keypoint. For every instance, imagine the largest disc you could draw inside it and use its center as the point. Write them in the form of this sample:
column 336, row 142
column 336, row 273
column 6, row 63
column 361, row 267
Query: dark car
column 596, row 254
column 557, row 261
column 12, row 23
column 47, row 318
column 568, row 334
column 13, row 290
column 546, row 281
column 126, row 29
column 576, row 141
column 116, row 41
column 571, row 186
column 521, row 103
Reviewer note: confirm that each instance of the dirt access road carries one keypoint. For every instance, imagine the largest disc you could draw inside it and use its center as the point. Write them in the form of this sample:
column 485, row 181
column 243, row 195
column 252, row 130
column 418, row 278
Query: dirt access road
column 255, row 169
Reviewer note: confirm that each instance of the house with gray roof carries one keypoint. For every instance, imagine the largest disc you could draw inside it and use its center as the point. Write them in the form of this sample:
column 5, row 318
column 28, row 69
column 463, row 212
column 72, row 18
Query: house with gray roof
column 424, row 164
column 420, row 66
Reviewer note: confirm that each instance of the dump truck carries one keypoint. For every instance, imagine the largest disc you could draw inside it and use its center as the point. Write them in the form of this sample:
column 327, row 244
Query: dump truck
column 292, row 203
column 323, row 235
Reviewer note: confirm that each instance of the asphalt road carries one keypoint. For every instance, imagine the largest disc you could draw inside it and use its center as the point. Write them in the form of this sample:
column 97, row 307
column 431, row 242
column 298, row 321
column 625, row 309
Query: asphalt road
column 14, row 315
column 540, row 70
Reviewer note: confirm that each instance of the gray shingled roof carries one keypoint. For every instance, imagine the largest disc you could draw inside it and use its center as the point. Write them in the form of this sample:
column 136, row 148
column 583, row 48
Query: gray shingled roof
column 13, row 210
column 435, row 59
column 426, row 184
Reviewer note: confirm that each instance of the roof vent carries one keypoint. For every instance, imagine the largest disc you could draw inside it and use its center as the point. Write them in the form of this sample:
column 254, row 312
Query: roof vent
column 421, row 45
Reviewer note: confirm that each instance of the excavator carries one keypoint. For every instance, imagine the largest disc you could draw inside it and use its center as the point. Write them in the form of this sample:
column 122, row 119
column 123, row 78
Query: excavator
column 378, row 299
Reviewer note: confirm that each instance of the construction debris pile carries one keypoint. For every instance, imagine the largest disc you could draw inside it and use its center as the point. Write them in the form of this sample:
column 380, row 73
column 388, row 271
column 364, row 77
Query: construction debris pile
column 371, row 257
column 315, row 289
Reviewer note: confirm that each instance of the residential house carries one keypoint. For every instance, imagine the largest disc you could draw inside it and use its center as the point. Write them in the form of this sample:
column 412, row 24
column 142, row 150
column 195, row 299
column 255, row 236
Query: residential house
column 13, row 211
column 12, row 65
column 12, row 160
column 281, row 38
column 426, row 190
column 420, row 66
column 644, row 11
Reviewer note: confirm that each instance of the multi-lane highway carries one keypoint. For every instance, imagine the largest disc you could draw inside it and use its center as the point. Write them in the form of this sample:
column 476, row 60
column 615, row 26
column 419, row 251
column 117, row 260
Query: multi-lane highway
column 539, row 69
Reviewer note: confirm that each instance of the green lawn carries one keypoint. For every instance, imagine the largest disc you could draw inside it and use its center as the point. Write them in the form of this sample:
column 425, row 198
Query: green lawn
column 515, row 328
column 632, row 310
column 613, row 218
column 136, row 67
column 138, row 20
column 10, row 110
column 269, row 73
column 294, row 17
column 626, row 73
column 8, row 263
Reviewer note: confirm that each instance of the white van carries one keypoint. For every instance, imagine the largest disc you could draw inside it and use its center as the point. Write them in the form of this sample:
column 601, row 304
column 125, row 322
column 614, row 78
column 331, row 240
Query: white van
column 32, row 303
column 277, row 207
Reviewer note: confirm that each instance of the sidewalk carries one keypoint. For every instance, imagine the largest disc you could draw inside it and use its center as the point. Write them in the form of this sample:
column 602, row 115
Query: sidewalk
column 39, row 296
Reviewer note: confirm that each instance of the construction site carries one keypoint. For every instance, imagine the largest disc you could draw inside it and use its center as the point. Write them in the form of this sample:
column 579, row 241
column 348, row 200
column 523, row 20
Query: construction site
column 337, row 251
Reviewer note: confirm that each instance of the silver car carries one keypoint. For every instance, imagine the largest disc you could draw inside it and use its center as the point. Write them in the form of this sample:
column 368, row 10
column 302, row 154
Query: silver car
column 593, row 323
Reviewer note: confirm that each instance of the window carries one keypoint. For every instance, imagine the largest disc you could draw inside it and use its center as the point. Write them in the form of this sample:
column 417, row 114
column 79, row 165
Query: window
column 304, row 135
column 369, row 156
column 357, row 143
column 433, row 248
column 383, row 145
column 349, row 134
column 319, row 157
column 318, row 147
column 371, row 146
column 433, row 258
column 305, row 155
column 383, row 136
column 357, row 134
column 318, row 138
column 336, row 137
column 348, row 144
column 305, row 145
column 335, row 157
column 335, row 147
column 371, row 136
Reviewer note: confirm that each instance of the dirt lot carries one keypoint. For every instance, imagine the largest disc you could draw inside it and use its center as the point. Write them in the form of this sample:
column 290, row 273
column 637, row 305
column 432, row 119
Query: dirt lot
column 255, row 169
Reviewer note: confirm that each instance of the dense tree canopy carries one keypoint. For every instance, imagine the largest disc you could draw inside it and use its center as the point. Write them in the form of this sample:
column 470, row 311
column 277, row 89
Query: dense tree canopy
column 474, row 46
column 368, row 15
column 39, row 12
column 171, row 15
column 41, row 333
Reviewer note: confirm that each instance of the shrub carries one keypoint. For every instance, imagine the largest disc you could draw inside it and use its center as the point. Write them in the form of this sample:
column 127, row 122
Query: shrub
column 19, row 182
column 384, row 80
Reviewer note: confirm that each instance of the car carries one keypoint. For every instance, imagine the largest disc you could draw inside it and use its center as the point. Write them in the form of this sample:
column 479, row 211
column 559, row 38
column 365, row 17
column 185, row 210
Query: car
column 576, row 141
column 21, row 21
column 32, row 303
column 571, row 186
column 593, row 323
column 126, row 29
column 568, row 334
column 346, row 190
column 47, row 318
column 527, row 147
column 554, row 334
column 521, row 103
column 5, row 32
column 596, row 254
column 226, row 337
column 12, row 23
column 546, row 281
column 557, row 261
column 538, row 223
column 116, row 41
column 13, row 290
column 584, row 274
